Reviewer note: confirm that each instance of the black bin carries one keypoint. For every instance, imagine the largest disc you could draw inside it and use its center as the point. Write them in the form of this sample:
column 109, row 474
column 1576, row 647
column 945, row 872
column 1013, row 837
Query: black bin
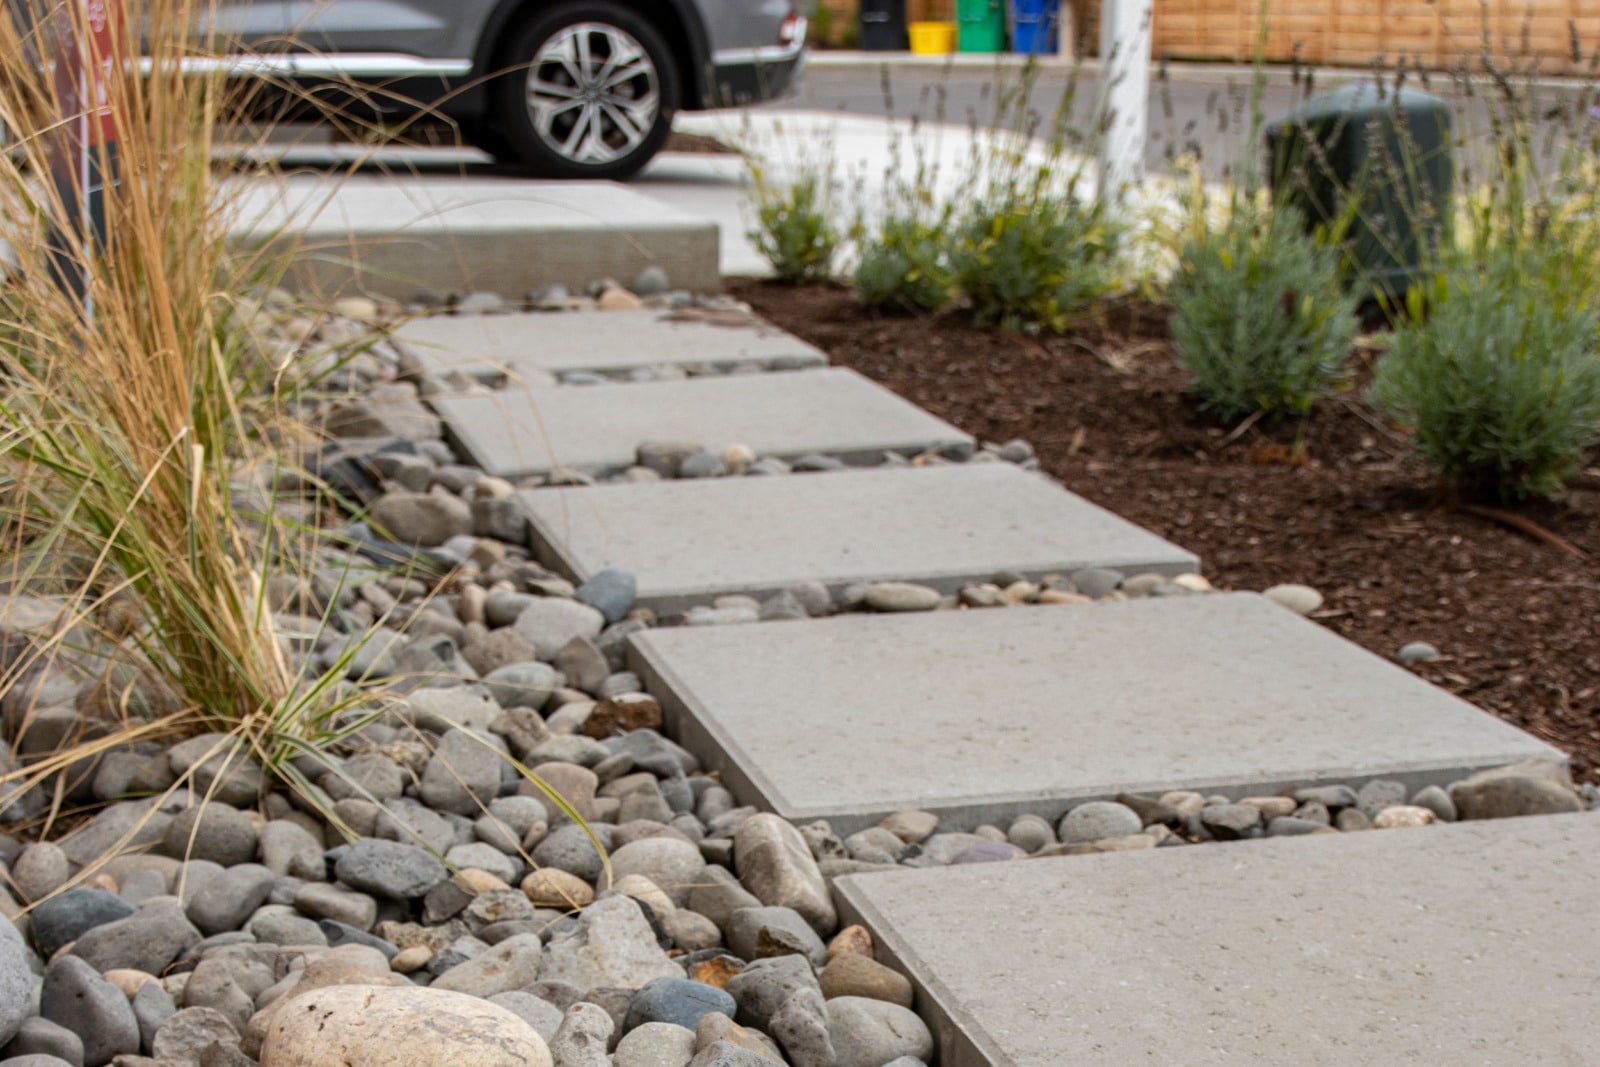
column 1381, row 159
column 883, row 26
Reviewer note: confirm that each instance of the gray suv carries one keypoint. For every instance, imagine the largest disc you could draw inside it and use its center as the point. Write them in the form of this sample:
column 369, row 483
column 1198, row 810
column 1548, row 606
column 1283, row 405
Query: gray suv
column 567, row 88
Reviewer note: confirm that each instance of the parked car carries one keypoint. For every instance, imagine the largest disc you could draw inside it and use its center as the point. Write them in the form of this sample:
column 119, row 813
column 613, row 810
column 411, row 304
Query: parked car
column 567, row 88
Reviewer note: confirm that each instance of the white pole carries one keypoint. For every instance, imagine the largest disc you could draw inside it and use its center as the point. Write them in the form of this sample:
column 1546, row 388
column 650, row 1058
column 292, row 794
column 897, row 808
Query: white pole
column 1124, row 94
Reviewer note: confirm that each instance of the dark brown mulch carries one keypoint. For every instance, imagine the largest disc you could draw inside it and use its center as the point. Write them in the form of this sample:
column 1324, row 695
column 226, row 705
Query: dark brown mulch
column 1332, row 501
column 699, row 144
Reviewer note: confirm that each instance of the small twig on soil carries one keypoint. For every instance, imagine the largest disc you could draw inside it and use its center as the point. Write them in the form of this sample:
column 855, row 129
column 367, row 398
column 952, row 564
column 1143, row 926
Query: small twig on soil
column 1242, row 429
column 1079, row 436
column 1523, row 524
column 1367, row 417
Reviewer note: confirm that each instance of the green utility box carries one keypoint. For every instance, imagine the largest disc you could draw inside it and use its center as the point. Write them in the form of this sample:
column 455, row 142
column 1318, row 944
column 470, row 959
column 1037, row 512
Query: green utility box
column 1380, row 160
column 980, row 25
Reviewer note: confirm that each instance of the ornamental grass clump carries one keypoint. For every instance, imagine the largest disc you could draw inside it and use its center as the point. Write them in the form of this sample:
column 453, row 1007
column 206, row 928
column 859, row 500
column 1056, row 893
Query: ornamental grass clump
column 1261, row 321
column 1497, row 385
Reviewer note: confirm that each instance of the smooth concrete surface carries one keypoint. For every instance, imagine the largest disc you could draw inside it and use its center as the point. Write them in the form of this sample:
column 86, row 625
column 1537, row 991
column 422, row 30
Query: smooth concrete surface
column 598, row 428
column 401, row 235
column 505, row 348
column 689, row 541
column 1441, row 946
column 982, row 715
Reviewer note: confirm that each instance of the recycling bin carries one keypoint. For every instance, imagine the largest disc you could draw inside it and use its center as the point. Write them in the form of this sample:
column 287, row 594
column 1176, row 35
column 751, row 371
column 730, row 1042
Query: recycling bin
column 883, row 26
column 981, row 26
column 1381, row 159
column 1034, row 27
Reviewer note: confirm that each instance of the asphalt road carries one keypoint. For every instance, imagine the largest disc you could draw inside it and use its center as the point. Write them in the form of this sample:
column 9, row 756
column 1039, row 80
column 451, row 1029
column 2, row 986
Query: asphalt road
column 1198, row 109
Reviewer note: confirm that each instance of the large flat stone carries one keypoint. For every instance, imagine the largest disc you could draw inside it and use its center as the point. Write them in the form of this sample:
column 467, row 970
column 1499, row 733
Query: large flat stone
column 1473, row 943
column 981, row 715
column 517, row 432
column 688, row 541
column 502, row 349
column 401, row 234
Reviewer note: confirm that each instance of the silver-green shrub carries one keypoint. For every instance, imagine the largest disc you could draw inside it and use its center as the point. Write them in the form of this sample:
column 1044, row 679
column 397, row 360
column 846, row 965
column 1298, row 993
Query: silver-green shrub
column 905, row 266
column 1260, row 320
column 795, row 228
column 1030, row 259
column 1498, row 383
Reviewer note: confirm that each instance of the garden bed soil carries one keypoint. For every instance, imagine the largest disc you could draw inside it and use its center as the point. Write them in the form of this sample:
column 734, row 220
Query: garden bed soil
column 1510, row 598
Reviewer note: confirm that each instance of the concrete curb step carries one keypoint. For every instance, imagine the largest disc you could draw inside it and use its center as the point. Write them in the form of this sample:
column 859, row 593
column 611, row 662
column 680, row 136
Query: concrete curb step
column 405, row 236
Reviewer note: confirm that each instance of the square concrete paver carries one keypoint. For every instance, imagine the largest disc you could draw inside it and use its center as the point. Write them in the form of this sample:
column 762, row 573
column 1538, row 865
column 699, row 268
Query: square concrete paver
column 597, row 428
column 523, row 347
column 1434, row 947
column 981, row 715
column 688, row 541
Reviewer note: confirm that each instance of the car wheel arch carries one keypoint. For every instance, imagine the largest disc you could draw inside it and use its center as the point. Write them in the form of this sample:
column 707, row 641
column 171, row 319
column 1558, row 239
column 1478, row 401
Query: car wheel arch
column 677, row 20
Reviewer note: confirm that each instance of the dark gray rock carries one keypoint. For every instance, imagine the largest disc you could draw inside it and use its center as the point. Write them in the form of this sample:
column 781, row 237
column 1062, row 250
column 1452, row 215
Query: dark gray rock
column 150, row 939
column 756, row 933
column 761, row 988
column 1331, row 797
column 1231, row 822
column 1436, row 800
column 76, row 997
column 612, row 592
column 1097, row 820
column 726, row 1054
column 1533, row 787
column 463, row 775
column 187, row 1033
column 39, row 1036
column 39, row 1059
column 390, row 869
column 1290, row 826
column 801, row 1027
column 229, row 899
column 870, row 1033
column 1380, row 793
column 678, row 1001
column 322, row 901
column 152, row 1006
column 211, row 831
column 67, row 917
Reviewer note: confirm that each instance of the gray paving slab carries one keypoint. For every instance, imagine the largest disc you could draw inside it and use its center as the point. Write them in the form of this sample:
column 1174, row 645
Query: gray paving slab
column 400, row 235
column 504, row 348
column 688, row 541
column 982, row 715
column 597, row 428
column 1434, row 947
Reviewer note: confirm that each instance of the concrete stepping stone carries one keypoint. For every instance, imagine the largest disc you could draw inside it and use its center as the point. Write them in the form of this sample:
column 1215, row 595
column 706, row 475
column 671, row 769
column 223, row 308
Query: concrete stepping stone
column 1467, row 943
column 598, row 428
column 499, row 349
column 688, row 541
column 981, row 715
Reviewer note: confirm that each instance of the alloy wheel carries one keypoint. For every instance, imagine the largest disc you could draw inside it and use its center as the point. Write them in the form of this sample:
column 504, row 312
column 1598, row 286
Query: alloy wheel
column 593, row 93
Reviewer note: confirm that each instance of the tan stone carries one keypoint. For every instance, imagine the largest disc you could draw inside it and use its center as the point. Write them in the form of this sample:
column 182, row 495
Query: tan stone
column 130, row 981
column 411, row 959
column 1403, row 815
column 852, row 975
column 1061, row 596
column 1272, row 807
column 552, row 888
column 852, row 940
column 476, row 880
column 357, row 1026
column 716, row 971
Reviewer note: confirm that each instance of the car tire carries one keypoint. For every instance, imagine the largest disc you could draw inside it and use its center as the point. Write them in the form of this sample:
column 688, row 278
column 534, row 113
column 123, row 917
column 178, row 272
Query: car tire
column 590, row 92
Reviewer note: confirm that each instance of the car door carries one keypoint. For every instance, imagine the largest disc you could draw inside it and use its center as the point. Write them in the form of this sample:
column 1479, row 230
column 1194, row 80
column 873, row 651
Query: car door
column 432, row 29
